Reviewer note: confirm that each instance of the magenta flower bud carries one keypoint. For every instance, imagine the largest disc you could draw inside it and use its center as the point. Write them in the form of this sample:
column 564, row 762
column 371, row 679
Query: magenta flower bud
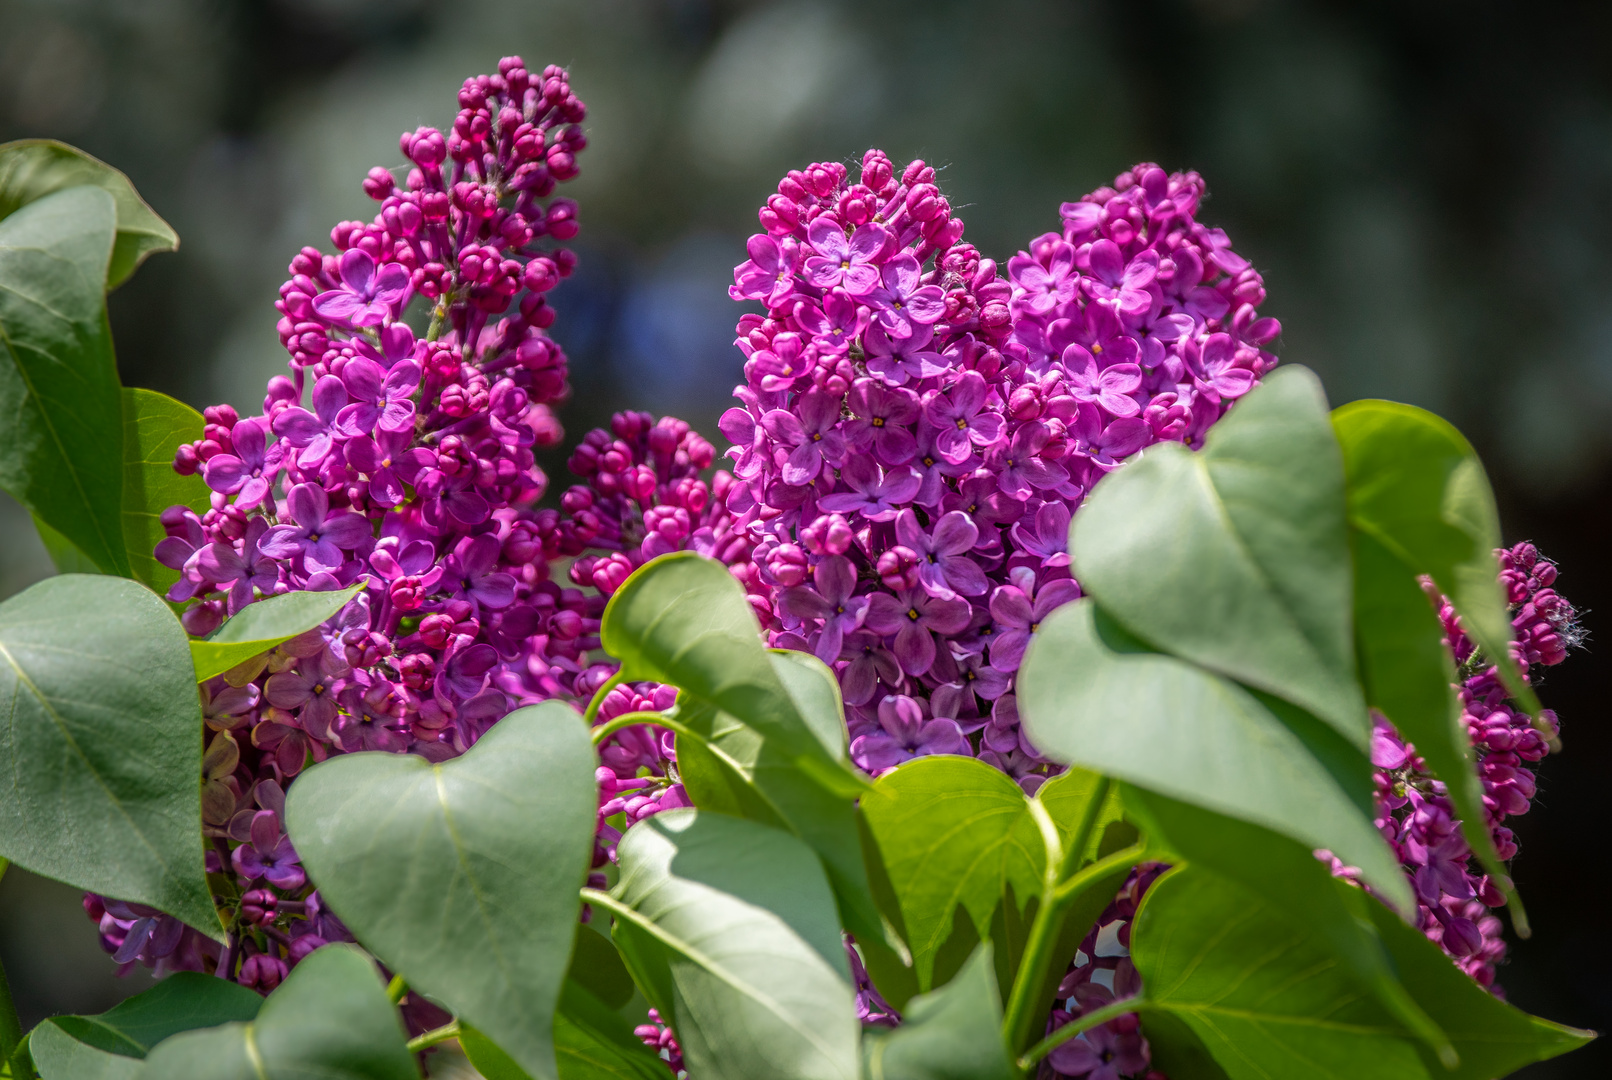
column 898, row 568
column 830, row 534
column 187, row 460
column 610, row 572
column 786, row 565
column 379, row 183
column 258, row 906
column 262, row 972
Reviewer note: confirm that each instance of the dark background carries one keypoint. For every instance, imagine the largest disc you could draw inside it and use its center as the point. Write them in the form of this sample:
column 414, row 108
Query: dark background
column 1427, row 186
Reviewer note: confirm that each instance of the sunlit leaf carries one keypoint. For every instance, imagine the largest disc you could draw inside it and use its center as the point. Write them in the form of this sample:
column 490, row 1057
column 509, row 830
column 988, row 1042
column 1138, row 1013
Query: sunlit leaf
column 1236, row 558
column 259, row 627
column 463, row 876
column 154, row 425
column 99, row 741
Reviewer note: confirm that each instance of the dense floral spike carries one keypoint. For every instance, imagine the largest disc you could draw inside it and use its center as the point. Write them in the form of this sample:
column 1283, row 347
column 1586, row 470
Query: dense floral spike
column 916, row 429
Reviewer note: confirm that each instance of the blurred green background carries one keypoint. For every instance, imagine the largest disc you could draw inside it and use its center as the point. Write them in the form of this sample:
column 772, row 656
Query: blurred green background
column 1427, row 185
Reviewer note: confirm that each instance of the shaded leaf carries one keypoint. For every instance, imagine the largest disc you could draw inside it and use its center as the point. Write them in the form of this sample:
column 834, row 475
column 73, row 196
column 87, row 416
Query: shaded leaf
column 591, row 1042
column 954, row 1033
column 99, row 742
column 1418, row 488
column 729, row 928
column 682, row 619
column 1236, row 558
column 1090, row 695
column 113, row 1043
column 597, row 967
column 154, row 425
column 463, row 876
column 329, row 1020
column 31, row 169
column 1289, row 876
column 59, row 386
column 1492, row 1037
column 1263, row 997
column 260, row 626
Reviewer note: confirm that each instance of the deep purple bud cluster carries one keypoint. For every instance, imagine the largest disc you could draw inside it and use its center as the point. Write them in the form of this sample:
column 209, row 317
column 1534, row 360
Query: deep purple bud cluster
column 915, row 429
column 1454, row 895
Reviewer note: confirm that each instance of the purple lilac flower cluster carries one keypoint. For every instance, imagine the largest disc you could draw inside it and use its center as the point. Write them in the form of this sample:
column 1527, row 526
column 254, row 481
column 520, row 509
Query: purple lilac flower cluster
column 1454, row 895
column 915, row 429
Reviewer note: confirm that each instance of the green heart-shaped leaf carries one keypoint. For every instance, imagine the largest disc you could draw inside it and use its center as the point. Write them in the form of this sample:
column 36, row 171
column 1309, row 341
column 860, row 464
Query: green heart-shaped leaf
column 954, row 1033
column 63, row 447
column 31, row 169
column 682, row 619
column 731, row 768
column 99, row 742
column 729, row 928
column 259, row 627
column 112, row 1044
column 154, row 425
column 329, row 1020
column 463, row 877
column 1263, row 996
column 1092, row 696
column 1237, row 558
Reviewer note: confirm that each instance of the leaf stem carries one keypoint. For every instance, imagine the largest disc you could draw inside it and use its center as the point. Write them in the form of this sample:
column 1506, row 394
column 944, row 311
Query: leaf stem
column 599, row 695
column 431, row 1038
column 10, row 1025
column 627, row 720
column 1061, row 866
column 396, row 990
column 1086, row 1022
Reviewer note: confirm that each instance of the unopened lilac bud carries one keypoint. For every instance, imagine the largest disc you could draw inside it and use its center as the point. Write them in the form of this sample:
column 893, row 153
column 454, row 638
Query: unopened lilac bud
column 787, row 565
column 898, row 568
column 262, row 972
column 830, row 534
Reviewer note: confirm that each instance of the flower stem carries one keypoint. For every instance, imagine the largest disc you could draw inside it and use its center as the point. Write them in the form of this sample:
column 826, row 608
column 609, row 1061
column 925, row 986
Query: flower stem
column 1096, row 1017
column 397, row 989
column 10, row 1025
column 1061, row 865
column 599, row 695
column 626, row 720
column 431, row 1038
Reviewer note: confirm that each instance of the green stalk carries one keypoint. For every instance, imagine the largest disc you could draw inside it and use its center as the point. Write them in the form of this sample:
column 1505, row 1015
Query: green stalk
column 397, row 990
column 431, row 1038
column 626, row 720
column 10, row 1025
column 599, row 695
column 1019, row 1020
column 1080, row 1023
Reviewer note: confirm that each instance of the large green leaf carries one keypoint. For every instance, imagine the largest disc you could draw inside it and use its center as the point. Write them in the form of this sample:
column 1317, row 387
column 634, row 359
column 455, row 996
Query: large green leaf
column 591, row 1042
column 112, row 1044
column 682, row 619
column 154, row 425
column 329, row 1020
column 729, row 928
column 731, row 768
column 1289, row 876
column 1418, row 488
column 31, row 169
column 1266, row 999
column 1090, row 695
column 953, row 832
column 1237, row 558
column 100, row 745
column 954, row 1033
column 259, row 627
column 63, row 447
column 463, row 876
column 1492, row 1038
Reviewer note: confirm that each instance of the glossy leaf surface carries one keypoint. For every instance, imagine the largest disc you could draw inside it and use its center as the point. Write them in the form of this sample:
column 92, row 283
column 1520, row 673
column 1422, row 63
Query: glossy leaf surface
column 1093, row 696
column 260, row 626
column 954, row 1033
column 730, row 929
column 59, row 386
column 31, row 169
column 1418, row 488
column 463, row 876
column 113, row 1043
column 591, row 1042
column 99, row 740
column 1236, row 558
column 154, row 425
column 329, row 1020
column 682, row 619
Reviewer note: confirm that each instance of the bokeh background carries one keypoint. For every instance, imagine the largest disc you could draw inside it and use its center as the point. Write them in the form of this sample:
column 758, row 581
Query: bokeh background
column 1427, row 185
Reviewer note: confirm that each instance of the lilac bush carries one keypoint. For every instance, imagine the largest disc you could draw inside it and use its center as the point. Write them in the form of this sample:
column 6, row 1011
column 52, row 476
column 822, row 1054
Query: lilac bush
column 916, row 429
